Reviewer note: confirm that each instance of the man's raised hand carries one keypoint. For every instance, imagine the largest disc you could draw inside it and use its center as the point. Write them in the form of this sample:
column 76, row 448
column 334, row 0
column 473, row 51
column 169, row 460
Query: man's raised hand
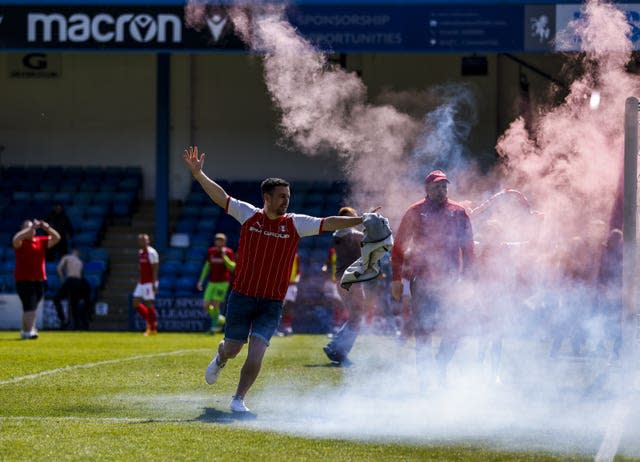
column 193, row 161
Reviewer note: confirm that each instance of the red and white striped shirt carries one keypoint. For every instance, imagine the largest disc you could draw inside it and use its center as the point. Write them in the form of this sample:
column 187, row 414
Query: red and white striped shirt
column 147, row 257
column 267, row 248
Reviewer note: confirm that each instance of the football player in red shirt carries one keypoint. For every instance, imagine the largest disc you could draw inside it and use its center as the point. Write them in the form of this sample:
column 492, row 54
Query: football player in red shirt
column 145, row 292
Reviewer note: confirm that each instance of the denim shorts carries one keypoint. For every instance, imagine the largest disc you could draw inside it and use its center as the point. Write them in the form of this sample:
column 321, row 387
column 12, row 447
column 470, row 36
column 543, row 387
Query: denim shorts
column 251, row 316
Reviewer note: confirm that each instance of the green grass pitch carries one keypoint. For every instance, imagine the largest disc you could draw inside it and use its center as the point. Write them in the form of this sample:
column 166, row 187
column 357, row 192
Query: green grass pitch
column 122, row 396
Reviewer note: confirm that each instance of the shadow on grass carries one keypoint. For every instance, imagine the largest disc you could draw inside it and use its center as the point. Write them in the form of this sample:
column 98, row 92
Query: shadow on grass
column 329, row 365
column 212, row 415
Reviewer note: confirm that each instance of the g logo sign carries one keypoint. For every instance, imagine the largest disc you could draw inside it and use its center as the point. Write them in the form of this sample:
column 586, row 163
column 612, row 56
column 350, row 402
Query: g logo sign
column 35, row 61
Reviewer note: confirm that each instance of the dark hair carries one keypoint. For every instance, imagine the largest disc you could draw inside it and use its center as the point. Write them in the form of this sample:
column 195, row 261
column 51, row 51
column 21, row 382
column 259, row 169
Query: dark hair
column 268, row 185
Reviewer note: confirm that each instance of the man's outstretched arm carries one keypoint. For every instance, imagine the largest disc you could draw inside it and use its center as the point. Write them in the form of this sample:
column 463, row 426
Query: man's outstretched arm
column 335, row 223
column 194, row 164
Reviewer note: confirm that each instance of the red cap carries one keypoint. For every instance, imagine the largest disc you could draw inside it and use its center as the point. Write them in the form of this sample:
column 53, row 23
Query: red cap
column 435, row 177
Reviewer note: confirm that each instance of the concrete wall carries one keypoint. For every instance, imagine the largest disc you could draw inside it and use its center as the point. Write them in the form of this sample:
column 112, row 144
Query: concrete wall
column 101, row 110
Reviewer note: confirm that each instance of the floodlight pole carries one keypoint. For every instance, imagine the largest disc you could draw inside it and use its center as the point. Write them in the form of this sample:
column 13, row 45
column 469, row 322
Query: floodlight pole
column 629, row 226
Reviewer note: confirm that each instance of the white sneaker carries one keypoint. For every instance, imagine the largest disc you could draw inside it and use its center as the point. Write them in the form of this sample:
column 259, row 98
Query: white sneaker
column 213, row 370
column 237, row 405
column 31, row 335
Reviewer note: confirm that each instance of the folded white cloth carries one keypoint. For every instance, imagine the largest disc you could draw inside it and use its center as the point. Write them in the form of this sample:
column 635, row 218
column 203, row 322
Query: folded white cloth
column 377, row 240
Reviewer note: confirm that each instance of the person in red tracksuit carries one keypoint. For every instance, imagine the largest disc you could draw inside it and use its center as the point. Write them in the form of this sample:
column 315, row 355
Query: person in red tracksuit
column 30, row 272
column 145, row 292
column 439, row 233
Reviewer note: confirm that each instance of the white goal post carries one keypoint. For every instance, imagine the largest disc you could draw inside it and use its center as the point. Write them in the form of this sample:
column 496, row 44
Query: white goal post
column 630, row 315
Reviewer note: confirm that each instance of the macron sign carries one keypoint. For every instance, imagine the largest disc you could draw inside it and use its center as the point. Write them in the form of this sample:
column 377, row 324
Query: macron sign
column 113, row 28
column 103, row 28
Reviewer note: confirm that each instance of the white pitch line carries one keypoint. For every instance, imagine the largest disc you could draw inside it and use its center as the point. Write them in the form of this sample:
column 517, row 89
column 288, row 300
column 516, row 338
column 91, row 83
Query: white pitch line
column 93, row 419
column 98, row 363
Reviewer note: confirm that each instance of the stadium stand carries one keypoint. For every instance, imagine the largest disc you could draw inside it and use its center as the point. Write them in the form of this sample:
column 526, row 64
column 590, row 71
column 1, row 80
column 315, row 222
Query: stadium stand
column 92, row 196
column 96, row 199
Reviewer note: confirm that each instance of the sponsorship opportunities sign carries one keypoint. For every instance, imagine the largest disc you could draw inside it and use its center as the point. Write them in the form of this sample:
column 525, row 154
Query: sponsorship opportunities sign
column 410, row 27
column 567, row 13
column 175, row 314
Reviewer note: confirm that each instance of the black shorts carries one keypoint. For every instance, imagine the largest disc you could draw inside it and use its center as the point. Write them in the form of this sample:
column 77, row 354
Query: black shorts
column 30, row 293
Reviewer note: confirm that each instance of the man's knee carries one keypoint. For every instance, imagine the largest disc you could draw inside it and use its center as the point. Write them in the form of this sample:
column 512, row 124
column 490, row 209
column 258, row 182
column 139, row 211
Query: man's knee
column 231, row 348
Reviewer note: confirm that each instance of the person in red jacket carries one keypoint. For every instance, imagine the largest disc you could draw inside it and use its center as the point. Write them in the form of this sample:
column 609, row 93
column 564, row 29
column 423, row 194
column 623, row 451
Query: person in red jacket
column 30, row 273
column 439, row 233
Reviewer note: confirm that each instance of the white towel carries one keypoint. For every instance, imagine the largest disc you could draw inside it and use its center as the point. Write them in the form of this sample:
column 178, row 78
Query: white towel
column 367, row 267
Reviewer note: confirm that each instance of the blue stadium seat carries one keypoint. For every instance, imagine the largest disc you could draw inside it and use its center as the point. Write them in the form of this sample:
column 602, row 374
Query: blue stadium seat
column 93, row 224
column 171, row 268
column 63, row 197
column 94, row 281
column 210, row 211
column 192, row 268
column 82, row 198
column 103, row 197
column 96, row 210
column 173, row 253
column 201, row 239
column 186, row 284
column 164, row 292
column 75, row 209
column 129, row 184
column 50, row 267
column 21, row 196
column 99, row 254
column 190, row 211
column 7, row 284
column 167, row 282
column 121, row 209
column 53, row 284
column 42, row 197
column 197, row 198
column 5, row 239
column 7, row 266
column 85, row 239
column 95, row 267
column 207, row 225
column 196, row 253
column 186, row 225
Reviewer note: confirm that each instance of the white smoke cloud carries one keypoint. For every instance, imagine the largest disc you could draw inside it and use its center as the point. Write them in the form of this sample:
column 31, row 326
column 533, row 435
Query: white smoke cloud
column 567, row 164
